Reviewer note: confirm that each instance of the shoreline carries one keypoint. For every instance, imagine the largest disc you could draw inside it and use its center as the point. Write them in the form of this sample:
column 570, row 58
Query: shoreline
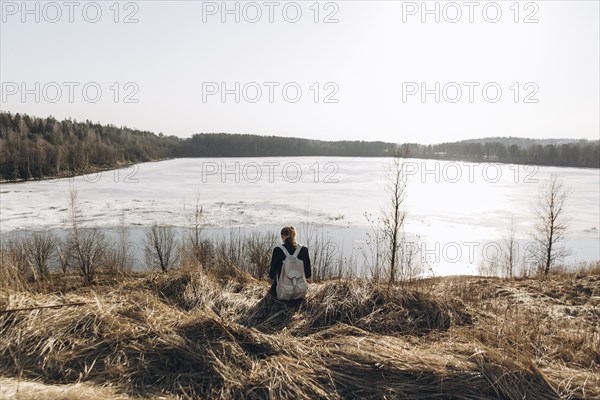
column 347, row 245
column 81, row 173
column 127, row 165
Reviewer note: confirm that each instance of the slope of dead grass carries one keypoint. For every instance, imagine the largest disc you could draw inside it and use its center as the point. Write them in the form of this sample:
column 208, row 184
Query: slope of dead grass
column 187, row 335
column 11, row 388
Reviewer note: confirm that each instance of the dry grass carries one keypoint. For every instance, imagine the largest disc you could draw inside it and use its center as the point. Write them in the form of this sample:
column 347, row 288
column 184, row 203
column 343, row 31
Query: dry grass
column 187, row 335
column 14, row 389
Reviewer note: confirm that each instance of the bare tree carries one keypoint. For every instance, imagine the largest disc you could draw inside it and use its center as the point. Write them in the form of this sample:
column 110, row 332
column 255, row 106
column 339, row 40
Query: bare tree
column 38, row 250
column 394, row 215
column 64, row 255
column 195, row 235
column 489, row 267
column 411, row 260
column 160, row 247
column 11, row 276
column 90, row 249
column 551, row 224
column 324, row 251
column 87, row 245
column 117, row 259
column 16, row 252
column 257, row 248
column 508, row 256
column 373, row 251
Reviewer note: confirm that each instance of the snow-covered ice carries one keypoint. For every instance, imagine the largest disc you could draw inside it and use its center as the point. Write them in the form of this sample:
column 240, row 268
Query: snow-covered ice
column 449, row 204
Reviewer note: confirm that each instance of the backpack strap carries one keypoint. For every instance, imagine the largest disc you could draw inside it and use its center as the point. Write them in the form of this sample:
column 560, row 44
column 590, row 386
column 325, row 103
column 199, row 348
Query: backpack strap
column 298, row 250
column 285, row 252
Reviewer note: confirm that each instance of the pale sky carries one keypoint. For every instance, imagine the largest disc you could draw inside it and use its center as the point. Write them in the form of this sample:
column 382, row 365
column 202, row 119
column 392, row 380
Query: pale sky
column 375, row 61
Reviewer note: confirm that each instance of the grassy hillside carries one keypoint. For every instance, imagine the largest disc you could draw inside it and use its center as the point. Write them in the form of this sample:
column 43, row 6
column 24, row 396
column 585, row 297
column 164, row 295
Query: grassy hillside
column 186, row 334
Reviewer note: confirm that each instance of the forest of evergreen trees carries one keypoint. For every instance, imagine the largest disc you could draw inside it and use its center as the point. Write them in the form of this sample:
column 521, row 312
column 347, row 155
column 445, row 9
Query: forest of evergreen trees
column 236, row 145
column 34, row 148
column 584, row 153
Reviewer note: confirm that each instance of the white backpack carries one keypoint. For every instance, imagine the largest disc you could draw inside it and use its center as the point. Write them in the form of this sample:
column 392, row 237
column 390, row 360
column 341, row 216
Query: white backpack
column 291, row 283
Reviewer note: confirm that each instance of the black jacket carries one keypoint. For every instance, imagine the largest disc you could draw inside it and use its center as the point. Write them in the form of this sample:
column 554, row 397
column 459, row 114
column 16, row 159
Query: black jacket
column 277, row 262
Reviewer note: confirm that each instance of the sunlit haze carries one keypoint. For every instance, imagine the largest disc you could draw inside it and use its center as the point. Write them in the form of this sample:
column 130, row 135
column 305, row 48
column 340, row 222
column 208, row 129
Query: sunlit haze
column 364, row 70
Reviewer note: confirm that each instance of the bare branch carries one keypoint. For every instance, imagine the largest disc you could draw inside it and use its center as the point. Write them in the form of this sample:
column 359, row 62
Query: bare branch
column 552, row 225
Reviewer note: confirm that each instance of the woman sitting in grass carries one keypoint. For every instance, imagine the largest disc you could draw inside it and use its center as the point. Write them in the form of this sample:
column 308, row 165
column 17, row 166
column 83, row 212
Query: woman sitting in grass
column 290, row 267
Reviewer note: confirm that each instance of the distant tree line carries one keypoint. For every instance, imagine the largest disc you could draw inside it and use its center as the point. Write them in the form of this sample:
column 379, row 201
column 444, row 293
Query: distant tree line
column 583, row 153
column 237, row 145
column 34, row 148
column 521, row 142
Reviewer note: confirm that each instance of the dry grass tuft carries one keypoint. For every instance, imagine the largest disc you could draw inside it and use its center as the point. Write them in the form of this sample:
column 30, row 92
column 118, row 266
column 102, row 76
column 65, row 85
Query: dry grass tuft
column 379, row 309
column 186, row 334
column 13, row 389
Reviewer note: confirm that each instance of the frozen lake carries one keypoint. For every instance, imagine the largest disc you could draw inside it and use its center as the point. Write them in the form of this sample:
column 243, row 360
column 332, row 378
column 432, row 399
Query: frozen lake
column 455, row 209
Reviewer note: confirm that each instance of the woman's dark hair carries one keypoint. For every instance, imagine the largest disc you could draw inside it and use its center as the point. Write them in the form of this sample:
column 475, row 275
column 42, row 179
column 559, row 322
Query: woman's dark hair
column 289, row 232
